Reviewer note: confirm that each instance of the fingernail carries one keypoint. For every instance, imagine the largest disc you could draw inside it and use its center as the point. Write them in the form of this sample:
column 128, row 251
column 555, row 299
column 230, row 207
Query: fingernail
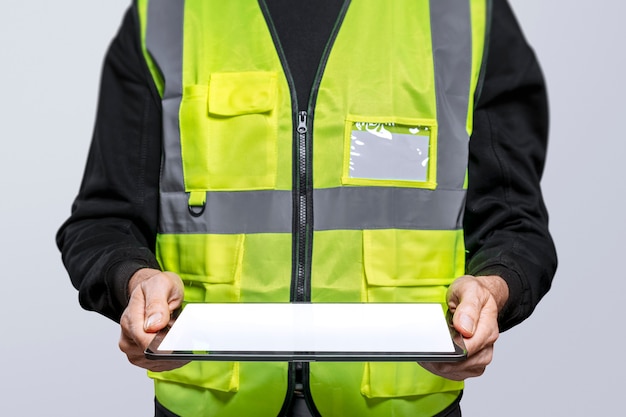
column 153, row 319
column 467, row 323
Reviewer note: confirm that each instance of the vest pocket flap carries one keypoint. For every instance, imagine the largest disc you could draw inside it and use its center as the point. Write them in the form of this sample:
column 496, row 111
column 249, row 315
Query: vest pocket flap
column 409, row 258
column 210, row 265
column 216, row 376
column 236, row 93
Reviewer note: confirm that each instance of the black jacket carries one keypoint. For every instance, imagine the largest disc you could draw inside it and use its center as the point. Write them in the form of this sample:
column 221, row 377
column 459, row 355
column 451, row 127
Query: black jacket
column 111, row 231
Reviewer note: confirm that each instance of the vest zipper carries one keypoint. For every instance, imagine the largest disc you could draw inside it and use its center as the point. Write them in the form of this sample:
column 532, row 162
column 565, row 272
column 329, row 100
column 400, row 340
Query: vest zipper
column 303, row 209
column 302, row 205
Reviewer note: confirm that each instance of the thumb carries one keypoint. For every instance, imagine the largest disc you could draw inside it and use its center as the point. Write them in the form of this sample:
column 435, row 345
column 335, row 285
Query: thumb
column 162, row 297
column 467, row 307
column 464, row 321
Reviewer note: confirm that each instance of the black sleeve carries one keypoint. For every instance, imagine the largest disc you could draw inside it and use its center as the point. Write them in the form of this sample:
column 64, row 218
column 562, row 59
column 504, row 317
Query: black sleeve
column 506, row 222
column 111, row 231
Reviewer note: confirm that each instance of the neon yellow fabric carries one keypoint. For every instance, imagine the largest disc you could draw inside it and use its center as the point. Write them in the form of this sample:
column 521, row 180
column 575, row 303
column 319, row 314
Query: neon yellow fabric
column 393, row 396
column 236, row 135
column 383, row 266
column 234, row 268
column 372, row 36
column 237, row 93
column 221, row 122
column 226, row 275
column 234, row 104
column 142, row 11
column 478, row 10
column 339, row 400
column 190, row 399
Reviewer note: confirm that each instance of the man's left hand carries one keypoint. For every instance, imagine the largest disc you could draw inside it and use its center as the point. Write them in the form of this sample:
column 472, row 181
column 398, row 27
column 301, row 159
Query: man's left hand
column 474, row 303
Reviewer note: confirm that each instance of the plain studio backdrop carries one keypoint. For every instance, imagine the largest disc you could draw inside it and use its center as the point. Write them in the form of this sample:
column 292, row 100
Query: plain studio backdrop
column 566, row 360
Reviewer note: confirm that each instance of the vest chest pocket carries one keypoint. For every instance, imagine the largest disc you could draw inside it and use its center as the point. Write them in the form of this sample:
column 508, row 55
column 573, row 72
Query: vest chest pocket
column 229, row 132
column 390, row 151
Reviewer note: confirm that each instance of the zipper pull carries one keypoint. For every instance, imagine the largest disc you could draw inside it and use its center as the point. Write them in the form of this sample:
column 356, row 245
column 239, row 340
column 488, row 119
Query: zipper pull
column 302, row 122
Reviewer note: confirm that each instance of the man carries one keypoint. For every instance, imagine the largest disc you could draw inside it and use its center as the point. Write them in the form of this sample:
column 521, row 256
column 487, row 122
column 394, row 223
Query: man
column 275, row 151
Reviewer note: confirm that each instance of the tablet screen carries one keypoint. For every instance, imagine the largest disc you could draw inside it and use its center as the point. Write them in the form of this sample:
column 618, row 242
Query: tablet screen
column 309, row 331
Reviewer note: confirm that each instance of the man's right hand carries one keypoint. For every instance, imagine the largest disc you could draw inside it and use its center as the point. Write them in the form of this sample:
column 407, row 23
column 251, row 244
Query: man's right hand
column 154, row 295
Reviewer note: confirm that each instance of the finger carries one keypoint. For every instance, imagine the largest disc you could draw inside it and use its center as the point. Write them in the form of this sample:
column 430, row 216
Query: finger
column 150, row 303
column 472, row 367
column 487, row 331
column 132, row 320
column 177, row 293
column 467, row 299
column 136, row 356
column 161, row 366
column 162, row 295
column 133, row 339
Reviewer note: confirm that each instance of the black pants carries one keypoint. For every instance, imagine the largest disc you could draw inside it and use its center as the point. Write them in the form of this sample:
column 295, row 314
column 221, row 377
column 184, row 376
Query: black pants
column 299, row 409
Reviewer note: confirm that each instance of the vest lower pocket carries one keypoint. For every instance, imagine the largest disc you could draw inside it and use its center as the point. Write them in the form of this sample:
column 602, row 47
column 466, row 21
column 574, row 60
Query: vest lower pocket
column 251, row 388
column 379, row 389
column 411, row 265
column 209, row 265
column 217, row 376
column 394, row 380
column 408, row 266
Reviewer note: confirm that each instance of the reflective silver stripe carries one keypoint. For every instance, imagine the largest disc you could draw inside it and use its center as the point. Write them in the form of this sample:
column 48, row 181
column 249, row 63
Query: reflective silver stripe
column 354, row 208
column 164, row 41
column 229, row 213
column 345, row 208
column 451, row 28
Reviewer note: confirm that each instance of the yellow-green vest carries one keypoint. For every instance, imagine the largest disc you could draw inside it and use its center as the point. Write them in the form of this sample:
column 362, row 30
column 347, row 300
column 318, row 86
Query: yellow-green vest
column 356, row 196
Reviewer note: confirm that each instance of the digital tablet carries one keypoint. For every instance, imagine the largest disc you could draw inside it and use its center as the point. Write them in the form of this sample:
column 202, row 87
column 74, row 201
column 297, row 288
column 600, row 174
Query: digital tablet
column 309, row 332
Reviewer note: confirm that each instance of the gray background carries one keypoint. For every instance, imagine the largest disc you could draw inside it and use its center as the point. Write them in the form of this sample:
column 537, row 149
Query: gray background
column 566, row 360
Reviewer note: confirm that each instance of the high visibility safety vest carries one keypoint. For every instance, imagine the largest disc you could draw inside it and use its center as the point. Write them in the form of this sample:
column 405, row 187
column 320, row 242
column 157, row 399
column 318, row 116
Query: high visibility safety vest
column 356, row 196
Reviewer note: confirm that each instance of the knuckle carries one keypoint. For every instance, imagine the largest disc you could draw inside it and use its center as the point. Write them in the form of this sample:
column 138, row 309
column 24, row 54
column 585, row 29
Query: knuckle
column 125, row 318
